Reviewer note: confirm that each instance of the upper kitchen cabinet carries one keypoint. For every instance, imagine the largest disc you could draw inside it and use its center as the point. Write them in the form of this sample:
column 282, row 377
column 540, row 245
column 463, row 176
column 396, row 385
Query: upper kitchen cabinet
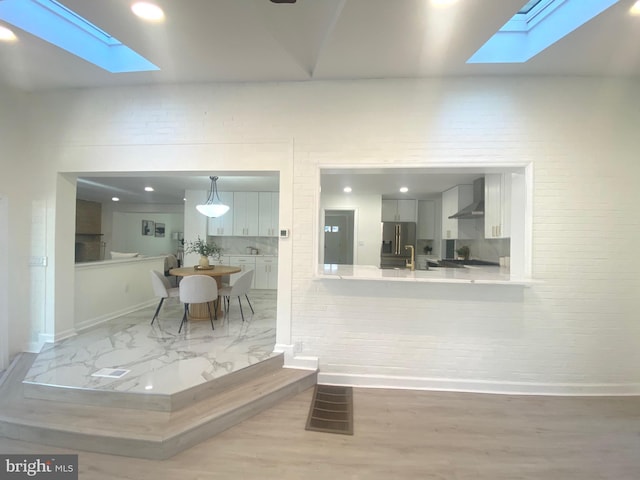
column 497, row 204
column 222, row 226
column 246, row 214
column 398, row 210
column 268, row 211
column 453, row 200
column 426, row 219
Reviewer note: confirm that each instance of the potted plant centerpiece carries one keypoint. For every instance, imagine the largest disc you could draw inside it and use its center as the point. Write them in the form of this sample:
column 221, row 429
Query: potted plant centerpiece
column 205, row 250
column 463, row 252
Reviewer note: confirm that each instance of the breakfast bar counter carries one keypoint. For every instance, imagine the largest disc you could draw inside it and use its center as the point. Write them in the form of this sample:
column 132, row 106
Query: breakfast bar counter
column 469, row 274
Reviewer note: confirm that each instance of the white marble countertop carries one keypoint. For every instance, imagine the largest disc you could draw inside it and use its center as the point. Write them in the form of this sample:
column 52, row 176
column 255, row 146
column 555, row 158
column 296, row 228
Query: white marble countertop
column 247, row 255
column 469, row 274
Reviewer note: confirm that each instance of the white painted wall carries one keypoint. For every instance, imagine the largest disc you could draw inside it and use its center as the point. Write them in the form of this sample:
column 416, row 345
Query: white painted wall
column 575, row 331
column 4, row 285
column 109, row 209
column 109, row 289
column 17, row 162
column 127, row 233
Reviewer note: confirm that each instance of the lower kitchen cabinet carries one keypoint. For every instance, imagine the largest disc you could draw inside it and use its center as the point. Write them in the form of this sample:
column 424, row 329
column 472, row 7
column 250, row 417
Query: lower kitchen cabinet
column 245, row 263
column 266, row 276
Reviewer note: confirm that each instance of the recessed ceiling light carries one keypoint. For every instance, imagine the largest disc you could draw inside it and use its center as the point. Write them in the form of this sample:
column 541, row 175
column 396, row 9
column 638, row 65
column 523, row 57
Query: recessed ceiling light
column 347, row 189
column 7, row 35
column 148, row 11
column 404, row 189
column 148, row 189
column 635, row 9
column 115, row 199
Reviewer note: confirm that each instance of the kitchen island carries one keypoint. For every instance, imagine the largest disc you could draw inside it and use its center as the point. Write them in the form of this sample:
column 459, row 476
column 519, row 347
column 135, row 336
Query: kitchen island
column 469, row 274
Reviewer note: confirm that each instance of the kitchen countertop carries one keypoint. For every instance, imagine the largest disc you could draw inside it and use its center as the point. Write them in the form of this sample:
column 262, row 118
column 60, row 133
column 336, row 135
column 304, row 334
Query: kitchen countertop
column 470, row 274
column 246, row 255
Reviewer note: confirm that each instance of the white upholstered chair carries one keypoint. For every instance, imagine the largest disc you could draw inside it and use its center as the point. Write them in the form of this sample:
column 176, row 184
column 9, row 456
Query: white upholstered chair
column 198, row 289
column 163, row 289
column 240, row 287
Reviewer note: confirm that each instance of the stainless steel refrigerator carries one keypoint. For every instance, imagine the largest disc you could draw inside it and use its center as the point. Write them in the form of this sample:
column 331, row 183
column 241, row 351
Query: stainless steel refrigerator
column 395, row 237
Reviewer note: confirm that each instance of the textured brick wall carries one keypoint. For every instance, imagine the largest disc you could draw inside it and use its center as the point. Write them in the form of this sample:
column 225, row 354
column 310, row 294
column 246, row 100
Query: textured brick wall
column 576, row 331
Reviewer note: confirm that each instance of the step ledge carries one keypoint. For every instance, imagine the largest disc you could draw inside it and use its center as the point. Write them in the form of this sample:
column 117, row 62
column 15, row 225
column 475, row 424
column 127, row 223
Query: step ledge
column 171, row 441
column 150, row 401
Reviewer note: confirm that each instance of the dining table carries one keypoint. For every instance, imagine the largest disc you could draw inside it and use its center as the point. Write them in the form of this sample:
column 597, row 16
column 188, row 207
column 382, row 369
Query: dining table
column 200, row 311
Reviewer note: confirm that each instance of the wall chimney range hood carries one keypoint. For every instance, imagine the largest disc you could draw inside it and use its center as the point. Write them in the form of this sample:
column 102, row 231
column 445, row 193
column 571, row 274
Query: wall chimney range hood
column 476, row 209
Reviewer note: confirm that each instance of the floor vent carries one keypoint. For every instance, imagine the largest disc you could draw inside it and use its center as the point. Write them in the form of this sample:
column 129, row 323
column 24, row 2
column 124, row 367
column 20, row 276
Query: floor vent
column 111, row 372
column 331, row 410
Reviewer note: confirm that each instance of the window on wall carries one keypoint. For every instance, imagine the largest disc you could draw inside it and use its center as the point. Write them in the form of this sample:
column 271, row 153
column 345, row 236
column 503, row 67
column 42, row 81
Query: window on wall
column 501, row 234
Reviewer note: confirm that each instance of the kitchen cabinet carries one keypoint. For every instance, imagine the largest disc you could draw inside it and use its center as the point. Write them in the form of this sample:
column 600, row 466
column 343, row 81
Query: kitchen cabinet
column 266, row 274
column 246, row 213
column 398, row 210
column 222, row 226
column 426, row 219
column 269, row 203
column 245, row 263
column 453, row 200
column 497, row 205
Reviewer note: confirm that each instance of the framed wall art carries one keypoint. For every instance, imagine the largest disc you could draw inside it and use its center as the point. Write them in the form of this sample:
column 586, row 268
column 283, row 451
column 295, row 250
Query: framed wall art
column 148, row 228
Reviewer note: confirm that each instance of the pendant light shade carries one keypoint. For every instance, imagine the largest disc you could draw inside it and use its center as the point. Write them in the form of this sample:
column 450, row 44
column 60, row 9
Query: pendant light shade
column 214, row 206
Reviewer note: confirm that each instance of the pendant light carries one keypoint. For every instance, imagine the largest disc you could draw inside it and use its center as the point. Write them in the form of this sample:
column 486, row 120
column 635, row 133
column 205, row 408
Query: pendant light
column 214, row 206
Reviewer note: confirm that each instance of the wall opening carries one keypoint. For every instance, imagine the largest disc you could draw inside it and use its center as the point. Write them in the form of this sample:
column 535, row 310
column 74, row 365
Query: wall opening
column 502, row 234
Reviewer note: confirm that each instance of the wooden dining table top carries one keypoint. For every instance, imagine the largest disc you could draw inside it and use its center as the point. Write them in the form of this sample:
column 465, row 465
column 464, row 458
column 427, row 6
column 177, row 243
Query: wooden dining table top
column 216, row 271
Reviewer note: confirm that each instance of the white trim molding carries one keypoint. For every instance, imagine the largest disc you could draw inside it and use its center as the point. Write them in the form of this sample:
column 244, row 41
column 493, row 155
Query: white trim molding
column 479, row 386
column 291, row 360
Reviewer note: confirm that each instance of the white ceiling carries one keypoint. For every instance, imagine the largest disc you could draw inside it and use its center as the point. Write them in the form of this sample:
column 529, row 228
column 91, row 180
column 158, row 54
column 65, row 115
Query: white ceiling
column 259, row 41
column 168, row 189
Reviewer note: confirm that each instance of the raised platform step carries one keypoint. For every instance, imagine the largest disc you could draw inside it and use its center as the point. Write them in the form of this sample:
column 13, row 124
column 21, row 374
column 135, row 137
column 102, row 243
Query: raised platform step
column 152, row 401
column 134, row 432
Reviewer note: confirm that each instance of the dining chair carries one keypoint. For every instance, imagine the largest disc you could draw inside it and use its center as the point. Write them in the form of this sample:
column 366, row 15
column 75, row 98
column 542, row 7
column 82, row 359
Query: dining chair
column 240, row 287
column 162, row 288
column 198, row 289
column 170, row 261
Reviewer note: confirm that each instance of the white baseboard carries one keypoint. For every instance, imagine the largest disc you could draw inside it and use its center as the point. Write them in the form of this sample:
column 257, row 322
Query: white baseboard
column 92, row 322
column 475, row 386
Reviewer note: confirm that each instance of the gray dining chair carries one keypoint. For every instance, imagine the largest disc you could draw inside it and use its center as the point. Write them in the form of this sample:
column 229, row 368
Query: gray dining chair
column 198, row 289
column 240, row 287
column 162, row 288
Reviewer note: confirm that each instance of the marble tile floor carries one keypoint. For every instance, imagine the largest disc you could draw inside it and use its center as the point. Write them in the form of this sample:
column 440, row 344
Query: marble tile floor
column 160, row 360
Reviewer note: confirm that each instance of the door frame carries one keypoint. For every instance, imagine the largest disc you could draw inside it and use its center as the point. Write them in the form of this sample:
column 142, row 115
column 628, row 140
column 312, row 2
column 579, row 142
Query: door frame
column 354, row 245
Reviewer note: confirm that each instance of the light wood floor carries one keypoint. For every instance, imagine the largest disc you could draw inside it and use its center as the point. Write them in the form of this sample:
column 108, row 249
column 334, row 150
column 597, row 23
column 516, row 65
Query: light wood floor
column 407, row 435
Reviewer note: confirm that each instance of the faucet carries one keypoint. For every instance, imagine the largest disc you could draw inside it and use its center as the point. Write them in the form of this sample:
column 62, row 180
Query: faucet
column 412, row 264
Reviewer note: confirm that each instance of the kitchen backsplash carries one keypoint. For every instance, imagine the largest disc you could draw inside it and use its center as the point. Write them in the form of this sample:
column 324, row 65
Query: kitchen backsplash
column 243, row 245
column 487, row 249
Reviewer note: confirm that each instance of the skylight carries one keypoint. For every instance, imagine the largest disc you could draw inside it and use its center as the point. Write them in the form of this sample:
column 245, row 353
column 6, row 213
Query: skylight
column 537, row 25
column 60, row 26
column 528, row 6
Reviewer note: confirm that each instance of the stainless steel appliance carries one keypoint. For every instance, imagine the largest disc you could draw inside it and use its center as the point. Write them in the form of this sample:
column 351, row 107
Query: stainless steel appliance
column 395, row 237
